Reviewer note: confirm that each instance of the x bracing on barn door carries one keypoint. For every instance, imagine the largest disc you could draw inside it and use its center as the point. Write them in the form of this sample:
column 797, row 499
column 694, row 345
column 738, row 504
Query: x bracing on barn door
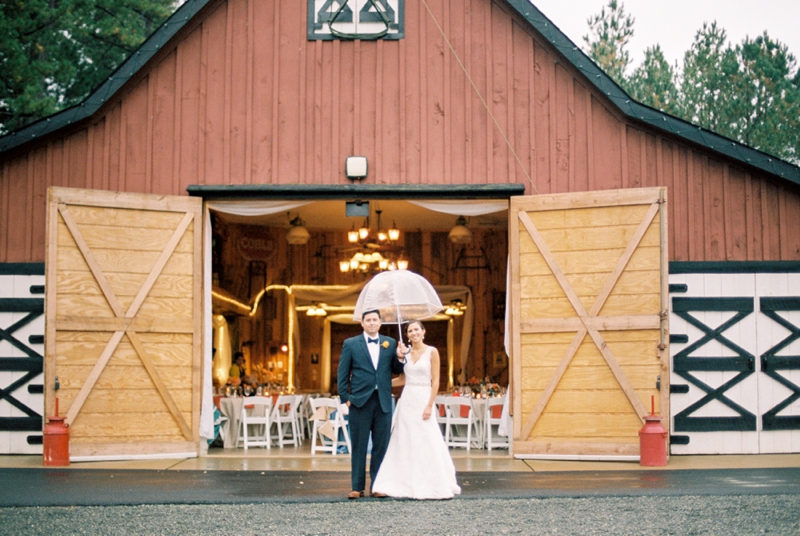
column 125, row 319
column 589, row 322
column 771, row 363
column 32, row 365
column 684, row 364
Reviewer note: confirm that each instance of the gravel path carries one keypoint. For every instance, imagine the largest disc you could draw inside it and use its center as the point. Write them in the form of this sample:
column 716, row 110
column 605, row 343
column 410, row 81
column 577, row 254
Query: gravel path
column 728, row 515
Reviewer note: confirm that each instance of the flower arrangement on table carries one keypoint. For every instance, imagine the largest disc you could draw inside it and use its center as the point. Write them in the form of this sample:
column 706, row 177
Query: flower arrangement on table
column 483, row 387
column 235, row 381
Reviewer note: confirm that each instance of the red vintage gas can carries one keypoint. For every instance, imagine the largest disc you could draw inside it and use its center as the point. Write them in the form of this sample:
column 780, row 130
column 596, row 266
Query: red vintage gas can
column 56, row 442
column 652, row 442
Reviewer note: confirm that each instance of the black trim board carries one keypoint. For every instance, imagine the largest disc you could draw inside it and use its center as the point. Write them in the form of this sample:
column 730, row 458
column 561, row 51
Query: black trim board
column 22, row 268
column 357, row 191
column 573, row 54
column 734, row 267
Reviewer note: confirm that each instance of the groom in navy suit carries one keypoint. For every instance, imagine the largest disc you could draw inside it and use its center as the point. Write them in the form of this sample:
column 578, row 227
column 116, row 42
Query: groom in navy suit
column 365, row 385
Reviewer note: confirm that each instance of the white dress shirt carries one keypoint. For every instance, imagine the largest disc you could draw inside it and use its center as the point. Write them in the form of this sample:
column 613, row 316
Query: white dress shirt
column 374, row 349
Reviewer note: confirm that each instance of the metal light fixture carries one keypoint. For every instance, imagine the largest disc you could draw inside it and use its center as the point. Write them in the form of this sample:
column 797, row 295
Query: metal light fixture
column 394, row 233
column 460, row 234
column 316, row 310
column 297, row 235
column 355, row 167
column 363, row 231
column 456, row 308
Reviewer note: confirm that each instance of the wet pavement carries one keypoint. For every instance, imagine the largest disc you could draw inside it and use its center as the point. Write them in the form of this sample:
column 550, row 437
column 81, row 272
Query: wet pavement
column 102, row 487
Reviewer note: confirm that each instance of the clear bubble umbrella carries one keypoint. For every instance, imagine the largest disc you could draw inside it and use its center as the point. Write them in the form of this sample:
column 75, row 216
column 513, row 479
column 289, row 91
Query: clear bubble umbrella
column 400, row 296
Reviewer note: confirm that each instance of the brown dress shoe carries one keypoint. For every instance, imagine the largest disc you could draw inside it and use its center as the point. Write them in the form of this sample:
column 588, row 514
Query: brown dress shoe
column 379, row 495
column 355, row 494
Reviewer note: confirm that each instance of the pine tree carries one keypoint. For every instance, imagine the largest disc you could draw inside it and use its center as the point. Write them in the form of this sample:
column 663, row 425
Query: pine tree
column 53, row 53
column 654, row 82
column 610, row 33
column 749, row 92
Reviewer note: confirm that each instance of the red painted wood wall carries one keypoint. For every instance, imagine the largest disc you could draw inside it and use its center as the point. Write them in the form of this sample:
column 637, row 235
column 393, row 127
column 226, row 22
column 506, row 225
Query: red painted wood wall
column 240, row 96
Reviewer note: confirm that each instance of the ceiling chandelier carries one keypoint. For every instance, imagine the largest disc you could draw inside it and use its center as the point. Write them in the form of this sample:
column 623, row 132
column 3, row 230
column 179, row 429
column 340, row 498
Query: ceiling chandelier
column 377, row 253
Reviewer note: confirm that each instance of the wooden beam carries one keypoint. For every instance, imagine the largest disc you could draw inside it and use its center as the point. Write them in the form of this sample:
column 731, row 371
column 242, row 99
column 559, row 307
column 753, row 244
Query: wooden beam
column 159, row 383
column 152, row 325
column 598, row 323
column 552, row 384
column 94, row 267
column 159, row 266
column 87, row 386
column 576, row 449
column 126, row 200
column 602, row 198
column 623, row 261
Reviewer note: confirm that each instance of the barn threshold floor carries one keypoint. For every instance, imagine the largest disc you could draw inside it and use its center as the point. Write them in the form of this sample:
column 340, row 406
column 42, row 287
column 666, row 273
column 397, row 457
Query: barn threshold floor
column 300, row 459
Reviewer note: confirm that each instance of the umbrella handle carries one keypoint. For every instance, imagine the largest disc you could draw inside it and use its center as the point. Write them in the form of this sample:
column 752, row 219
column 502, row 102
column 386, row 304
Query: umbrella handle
column 400, row 332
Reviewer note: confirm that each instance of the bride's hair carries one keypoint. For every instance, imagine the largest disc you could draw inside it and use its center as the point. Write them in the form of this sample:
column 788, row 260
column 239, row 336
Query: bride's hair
column 421, row 326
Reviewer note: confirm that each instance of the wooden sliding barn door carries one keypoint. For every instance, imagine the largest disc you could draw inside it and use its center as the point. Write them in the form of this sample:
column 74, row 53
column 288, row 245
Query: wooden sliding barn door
column 589, row 323
column 123, row 321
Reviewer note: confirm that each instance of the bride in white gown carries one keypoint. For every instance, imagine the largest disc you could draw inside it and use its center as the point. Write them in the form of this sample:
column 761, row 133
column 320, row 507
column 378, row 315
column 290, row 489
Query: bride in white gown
column 417, row 464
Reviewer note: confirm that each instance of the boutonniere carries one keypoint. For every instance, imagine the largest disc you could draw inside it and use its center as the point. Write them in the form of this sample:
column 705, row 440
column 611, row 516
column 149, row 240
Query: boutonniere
column 385, row 344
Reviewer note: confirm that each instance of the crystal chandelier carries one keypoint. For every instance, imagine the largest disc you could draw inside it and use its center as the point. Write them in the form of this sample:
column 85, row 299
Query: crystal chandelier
column 374, row 255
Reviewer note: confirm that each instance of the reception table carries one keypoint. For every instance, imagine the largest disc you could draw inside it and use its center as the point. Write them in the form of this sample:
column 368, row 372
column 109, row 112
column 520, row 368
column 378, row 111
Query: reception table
column 231, row 407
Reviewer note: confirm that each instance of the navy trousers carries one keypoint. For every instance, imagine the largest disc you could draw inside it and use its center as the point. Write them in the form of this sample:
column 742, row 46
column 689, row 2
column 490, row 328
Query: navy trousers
column 368, row 418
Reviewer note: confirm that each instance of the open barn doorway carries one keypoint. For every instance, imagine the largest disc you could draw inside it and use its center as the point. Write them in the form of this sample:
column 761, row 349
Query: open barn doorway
column 258, row 276
column 286, row 302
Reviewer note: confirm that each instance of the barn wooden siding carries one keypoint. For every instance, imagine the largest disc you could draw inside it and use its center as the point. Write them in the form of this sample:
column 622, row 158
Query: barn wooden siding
column 240, row 96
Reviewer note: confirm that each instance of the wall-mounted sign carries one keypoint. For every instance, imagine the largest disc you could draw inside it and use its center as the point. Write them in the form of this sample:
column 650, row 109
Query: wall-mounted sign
column 356, row 19
column 255, row 243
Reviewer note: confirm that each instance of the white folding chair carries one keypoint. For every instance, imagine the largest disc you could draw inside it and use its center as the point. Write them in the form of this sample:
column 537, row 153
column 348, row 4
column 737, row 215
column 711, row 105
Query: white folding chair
column 302, row 416
column 342, row 417
column 309, row 411
column 490, row 423
column 284, row 416
column 254, row 422
column 328, row 412
column 441, row 413
column 458, row 429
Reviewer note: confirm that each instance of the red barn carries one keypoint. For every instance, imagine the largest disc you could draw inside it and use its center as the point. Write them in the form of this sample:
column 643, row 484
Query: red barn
column 594, row 253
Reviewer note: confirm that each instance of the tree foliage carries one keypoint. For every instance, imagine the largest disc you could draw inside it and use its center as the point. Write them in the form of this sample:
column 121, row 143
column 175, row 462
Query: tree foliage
column 749, row 92
column 53, row 53
column 653, row 82
column 610, row 32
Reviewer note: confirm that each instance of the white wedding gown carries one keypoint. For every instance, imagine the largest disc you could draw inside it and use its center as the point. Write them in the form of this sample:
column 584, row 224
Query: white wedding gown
column 417, row 464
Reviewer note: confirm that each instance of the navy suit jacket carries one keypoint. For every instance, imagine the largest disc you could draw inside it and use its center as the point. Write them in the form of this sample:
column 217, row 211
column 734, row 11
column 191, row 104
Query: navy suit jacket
column 358, row 378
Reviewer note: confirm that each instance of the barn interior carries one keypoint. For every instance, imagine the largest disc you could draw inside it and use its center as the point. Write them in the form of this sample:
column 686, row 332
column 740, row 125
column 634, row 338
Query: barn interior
column 285, row 276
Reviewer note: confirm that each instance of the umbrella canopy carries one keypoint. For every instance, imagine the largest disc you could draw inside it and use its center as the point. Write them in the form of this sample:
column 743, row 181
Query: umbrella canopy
column 400, row 296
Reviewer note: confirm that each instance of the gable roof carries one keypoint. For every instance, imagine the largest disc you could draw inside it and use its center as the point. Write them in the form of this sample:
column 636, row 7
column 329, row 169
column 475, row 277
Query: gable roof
column 574, row 55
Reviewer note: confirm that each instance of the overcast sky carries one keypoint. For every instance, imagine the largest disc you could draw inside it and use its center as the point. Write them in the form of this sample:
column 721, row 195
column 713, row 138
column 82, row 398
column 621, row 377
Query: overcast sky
column 674, row 23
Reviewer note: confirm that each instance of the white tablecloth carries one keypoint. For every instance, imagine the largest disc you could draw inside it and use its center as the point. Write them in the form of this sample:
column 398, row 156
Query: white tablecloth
column 231, row 407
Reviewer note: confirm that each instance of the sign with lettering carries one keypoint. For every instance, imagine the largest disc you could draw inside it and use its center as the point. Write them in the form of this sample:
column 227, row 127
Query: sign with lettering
column 256, row 243
column 356, row 19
